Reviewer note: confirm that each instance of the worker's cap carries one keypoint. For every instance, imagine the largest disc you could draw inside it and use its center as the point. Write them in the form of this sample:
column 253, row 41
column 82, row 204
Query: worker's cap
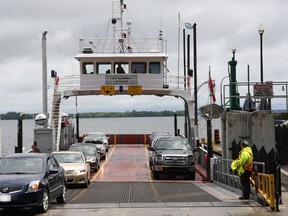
column 244, row 143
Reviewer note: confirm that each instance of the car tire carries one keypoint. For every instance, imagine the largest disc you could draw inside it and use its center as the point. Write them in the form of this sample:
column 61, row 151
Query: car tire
column 43, row 208
column 94, row 169
column 155, row 175
column 63, row 196
column 191, row 175
column 86, row 184
column 97, row 167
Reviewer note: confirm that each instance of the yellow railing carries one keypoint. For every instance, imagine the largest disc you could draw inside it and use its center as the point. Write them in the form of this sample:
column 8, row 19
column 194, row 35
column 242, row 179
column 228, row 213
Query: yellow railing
column 264, row 184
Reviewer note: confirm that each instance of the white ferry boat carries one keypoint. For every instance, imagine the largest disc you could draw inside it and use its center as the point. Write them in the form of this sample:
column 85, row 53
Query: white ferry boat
column 121, row 65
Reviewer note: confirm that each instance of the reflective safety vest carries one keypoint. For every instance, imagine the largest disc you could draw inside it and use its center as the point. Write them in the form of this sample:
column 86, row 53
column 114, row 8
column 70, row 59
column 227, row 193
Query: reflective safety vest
column 249, row 163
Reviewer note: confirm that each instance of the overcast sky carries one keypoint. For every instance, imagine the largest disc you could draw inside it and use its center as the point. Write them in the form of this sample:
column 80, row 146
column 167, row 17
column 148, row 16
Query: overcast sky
column 220, row 24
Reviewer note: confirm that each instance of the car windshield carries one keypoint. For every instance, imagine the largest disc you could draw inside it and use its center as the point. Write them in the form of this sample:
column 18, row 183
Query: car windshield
column 172, row 145
column 21, row 165
column 96, row 135
column 95, row 141
column 84, row 149
column 69, row 158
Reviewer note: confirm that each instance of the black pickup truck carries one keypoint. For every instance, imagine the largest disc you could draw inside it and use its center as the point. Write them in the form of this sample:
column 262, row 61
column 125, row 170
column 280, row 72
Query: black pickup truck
column 172, row 155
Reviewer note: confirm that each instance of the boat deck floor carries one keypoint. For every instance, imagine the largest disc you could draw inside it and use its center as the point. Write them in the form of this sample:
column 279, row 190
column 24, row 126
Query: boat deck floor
column 125, row 178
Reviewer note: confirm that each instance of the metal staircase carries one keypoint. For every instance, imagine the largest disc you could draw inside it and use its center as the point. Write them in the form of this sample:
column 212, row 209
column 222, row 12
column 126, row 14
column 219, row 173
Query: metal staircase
column 55, row 117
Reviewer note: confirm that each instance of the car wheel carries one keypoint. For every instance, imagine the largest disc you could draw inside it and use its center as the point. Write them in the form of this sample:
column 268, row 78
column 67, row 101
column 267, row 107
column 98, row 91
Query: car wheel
column 94, row 169
column 155, row 174
column 45, row 202
column 62, row 198
column 86, row 184
column 191, row 175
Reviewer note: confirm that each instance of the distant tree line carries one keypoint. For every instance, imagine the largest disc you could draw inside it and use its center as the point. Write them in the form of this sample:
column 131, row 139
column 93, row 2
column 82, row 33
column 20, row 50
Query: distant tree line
column 134, row 113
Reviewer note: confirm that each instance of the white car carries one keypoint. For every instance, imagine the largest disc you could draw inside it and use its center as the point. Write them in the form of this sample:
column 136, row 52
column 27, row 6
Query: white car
column 97, row 135
column 99, row 143
column 77, row 169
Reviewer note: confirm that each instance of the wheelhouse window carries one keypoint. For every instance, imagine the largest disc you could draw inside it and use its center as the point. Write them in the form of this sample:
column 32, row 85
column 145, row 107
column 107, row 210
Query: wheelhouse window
column 104, row 68
column 87, row 68
column 154, row 67
column 121, row 68
column 138, row 67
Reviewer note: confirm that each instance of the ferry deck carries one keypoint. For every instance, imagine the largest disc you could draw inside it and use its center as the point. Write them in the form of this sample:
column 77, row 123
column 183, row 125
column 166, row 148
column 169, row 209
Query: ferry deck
column 124, row 186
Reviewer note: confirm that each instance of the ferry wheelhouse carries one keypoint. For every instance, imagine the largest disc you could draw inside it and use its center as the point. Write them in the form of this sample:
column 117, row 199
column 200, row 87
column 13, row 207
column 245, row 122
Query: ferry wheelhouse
column 122, row 61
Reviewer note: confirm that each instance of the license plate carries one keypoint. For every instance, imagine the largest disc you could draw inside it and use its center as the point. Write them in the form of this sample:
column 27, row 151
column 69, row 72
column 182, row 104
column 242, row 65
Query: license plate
column 5, row 198
column 158, row 168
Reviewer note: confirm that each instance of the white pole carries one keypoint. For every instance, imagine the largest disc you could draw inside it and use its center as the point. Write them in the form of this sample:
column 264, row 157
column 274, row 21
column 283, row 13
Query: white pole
column 0, row 139
column 44, row 74
column 178, row 47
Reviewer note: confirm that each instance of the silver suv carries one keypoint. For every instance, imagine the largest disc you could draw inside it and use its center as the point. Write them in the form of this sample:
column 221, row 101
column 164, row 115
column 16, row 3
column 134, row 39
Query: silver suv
column 172, row 155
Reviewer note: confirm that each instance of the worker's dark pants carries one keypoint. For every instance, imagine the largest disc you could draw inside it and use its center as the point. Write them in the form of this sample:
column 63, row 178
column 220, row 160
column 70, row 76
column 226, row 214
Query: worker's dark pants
column 245, row 182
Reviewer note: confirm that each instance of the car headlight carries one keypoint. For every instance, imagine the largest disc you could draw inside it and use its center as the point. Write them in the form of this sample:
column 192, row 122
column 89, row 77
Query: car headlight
column 190, row 159
column 158, row 158
column 92, row 160
column 79, row 171
column 34, row 186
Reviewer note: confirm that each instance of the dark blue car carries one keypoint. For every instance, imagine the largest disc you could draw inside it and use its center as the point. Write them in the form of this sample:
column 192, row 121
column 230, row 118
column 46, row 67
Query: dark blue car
column 31, row 180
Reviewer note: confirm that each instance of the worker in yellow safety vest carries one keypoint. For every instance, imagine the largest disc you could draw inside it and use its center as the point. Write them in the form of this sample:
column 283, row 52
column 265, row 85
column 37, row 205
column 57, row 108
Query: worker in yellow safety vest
column 243, row 165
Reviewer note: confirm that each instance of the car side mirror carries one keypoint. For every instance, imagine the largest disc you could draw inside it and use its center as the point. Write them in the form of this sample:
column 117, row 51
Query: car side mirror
column 151, row 148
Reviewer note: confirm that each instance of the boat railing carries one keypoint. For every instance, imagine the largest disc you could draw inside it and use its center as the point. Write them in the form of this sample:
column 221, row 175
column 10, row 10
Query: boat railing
column 122, row 45
column 171, row 82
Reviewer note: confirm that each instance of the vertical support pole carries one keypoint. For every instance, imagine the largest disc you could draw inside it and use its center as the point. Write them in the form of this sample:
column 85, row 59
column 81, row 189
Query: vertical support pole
column 261, row 57
column 77, row 126
column 175, row 124
column 184, row 58
column 233, row 91
column 196, row 136
column 188, row 61
column 44, row 74
column 209, row 147
column 278, row 191
column 19, row 147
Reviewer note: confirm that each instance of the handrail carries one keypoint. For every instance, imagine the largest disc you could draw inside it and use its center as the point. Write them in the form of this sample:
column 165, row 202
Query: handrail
column 264, row 184
column 59, row 124
column 73, row 82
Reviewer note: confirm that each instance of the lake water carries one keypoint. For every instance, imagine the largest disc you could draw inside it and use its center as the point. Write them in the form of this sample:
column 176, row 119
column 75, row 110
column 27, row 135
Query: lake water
column 143, row 125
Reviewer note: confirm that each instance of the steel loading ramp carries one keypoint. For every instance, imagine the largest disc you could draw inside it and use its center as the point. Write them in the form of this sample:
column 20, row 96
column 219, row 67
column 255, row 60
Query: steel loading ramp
column 124, row 179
